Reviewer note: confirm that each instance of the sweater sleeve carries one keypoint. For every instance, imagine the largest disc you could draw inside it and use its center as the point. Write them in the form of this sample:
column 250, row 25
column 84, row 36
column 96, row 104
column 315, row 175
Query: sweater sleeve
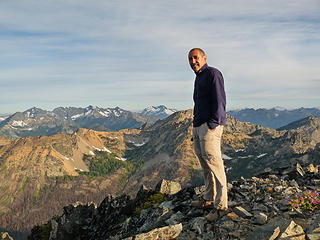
column 218, row 101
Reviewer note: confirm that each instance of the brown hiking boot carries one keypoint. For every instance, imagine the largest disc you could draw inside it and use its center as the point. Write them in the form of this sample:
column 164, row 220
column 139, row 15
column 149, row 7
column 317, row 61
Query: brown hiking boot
column 202, row 203
column 216, row 214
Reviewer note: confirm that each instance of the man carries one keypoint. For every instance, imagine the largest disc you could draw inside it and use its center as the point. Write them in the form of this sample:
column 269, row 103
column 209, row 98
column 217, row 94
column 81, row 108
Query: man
column 209, row 118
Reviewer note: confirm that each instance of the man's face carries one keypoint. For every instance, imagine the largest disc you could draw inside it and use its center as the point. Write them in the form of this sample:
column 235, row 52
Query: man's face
column 197, row 60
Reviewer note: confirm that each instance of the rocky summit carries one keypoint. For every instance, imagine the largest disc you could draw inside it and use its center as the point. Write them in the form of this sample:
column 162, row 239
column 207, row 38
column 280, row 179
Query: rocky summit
column 259, row 209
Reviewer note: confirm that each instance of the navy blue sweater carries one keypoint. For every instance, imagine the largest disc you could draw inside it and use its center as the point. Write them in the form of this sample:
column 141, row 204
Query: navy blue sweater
column 209, row 98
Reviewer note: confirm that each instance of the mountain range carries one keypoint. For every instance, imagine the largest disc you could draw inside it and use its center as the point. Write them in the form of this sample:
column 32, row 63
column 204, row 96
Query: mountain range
column 88, row 164
column 274, row 117
column 38, row 122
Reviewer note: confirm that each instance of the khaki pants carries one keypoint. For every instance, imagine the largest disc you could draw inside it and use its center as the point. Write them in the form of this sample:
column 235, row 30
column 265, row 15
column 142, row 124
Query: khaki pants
column 207, row 145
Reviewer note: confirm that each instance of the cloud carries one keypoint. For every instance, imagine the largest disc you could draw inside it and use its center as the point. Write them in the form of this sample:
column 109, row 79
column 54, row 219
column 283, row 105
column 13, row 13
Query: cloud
column 134, row 52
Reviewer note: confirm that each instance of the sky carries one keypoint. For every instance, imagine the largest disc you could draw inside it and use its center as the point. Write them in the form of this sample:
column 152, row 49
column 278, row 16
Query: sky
column 133, row 54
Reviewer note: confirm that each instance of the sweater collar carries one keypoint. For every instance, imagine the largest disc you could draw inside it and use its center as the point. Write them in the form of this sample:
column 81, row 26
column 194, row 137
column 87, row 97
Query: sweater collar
column 204, row 67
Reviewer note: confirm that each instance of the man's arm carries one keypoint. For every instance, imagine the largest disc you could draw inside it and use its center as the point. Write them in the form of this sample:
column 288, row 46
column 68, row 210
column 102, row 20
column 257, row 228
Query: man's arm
column 218, row 104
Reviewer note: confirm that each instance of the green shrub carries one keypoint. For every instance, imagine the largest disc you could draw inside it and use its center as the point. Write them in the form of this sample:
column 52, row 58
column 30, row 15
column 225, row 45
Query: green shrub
column 45, row 230
column 152, row 200
column 104, row 164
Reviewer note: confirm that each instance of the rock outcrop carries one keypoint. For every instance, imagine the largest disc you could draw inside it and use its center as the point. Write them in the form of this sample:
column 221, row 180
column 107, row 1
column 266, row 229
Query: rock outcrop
column 259, row 209
column 5, row 236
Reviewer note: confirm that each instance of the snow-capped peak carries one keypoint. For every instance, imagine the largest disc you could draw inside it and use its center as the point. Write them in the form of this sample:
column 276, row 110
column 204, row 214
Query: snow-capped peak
column 2, row 118
column 158, row 111
column 98, row 112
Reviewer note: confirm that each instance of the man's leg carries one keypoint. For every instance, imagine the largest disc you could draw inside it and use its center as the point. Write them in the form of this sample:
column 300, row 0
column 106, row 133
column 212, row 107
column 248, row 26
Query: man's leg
column 212, row 163
column 197, row 149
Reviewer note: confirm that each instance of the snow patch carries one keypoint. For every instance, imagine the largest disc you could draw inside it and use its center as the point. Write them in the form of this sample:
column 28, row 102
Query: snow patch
column 88, row 112
column 76, row 116
column 102, row 150
column 29, row 114
column 117, row 113
column 122, row 159
column 169, row 111
column 246, row 156
column 158, row 111
column 225, row 157
column 261, row 155
column 113, row 137
column 240, row 150
column 18, row 124
column 105, row 113
column 3, row 118
column 107, row 150
column 78, row 169
column 139, row 144
column 151, row 109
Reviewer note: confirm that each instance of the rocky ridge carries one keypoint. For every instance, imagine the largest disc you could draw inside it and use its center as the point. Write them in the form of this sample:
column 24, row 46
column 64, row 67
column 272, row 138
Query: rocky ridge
column 3, row 117
column 258, row 209
column 274, row 117
column 33, row 169
column 4, row 141
column 34, row 122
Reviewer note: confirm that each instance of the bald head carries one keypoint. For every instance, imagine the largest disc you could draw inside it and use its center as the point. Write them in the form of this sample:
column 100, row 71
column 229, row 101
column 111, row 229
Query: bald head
column 197, row 58
column 198, row 49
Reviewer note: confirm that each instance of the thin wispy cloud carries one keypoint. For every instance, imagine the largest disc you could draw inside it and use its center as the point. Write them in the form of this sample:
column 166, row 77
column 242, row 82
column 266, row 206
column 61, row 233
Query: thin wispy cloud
column 133, row 54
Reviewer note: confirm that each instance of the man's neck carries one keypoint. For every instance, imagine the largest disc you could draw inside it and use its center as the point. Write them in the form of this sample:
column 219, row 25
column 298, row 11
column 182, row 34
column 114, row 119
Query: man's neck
column 201, row 69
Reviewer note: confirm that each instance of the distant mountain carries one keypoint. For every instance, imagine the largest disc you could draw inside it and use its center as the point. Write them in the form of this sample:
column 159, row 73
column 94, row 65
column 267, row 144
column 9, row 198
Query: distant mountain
column 308, row 122
column 3, row 117
column 103, row 118
column 158, row 111
column 38, row 122
column 35, row 122
column 275, row 117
